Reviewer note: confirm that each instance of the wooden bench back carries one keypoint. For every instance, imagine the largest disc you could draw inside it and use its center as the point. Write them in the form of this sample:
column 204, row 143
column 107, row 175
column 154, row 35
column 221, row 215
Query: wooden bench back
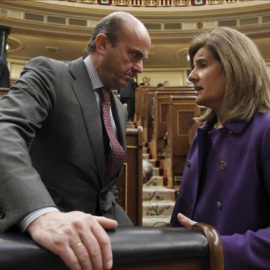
column 129, row 184
column 144, row 106
column 160, row 110
column 180, row 125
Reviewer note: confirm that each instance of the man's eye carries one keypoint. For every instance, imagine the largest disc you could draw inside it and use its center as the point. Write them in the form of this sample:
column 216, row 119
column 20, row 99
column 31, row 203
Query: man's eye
column 135, row 56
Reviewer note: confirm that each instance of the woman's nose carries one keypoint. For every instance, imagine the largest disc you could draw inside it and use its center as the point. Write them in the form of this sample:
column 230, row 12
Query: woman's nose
column 192, row 76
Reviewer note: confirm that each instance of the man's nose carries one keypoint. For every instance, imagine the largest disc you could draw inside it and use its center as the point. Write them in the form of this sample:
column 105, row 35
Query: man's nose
column 138, row 66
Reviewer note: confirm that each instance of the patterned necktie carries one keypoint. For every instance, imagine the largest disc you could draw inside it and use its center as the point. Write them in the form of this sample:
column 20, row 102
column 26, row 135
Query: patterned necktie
column 115, row 154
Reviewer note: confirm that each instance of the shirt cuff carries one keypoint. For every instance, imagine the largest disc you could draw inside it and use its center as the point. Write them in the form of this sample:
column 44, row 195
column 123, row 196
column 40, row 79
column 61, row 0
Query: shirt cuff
column 25, row 222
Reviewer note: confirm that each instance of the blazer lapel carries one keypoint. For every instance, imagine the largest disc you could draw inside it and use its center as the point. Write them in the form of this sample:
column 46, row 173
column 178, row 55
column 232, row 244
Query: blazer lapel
column 85, row 94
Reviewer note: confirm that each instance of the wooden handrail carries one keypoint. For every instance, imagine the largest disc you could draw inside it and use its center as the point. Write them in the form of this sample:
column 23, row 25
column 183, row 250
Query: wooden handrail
column 216, row 258
column 137, row 248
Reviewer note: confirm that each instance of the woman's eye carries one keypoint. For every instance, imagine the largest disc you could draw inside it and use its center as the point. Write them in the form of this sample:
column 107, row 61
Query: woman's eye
column 203, row 65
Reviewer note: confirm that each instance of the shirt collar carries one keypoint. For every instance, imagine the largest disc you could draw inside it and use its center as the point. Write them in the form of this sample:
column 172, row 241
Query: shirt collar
column 95, row 79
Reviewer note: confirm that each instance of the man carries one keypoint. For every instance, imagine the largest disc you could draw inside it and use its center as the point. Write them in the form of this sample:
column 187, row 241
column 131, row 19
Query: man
column 52, row 150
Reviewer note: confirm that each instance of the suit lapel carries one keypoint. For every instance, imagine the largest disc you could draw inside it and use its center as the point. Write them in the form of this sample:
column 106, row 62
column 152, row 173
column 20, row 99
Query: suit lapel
column 119, row 113
column 83, row 90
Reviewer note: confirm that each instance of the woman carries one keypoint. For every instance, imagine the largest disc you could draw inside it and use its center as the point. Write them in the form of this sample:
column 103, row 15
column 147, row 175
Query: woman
column 226, row 180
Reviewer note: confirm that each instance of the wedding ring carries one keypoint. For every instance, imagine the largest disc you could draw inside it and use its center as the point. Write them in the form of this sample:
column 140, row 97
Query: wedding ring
column 76, row 246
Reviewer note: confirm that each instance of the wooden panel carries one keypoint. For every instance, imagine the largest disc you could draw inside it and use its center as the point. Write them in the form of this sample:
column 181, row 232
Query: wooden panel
column 144, row 106
column 3, row 91
column 161, row 108
column 180, row 125
column 130, row 183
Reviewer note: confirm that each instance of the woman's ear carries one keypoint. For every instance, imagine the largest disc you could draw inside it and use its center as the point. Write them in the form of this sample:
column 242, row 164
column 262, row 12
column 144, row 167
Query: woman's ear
column 101, row 43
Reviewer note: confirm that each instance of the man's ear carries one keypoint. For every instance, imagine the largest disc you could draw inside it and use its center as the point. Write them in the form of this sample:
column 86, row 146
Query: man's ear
column 101, row 43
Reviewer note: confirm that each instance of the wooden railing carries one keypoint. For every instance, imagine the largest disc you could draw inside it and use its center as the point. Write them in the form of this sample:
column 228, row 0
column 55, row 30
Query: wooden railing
column 134, row 248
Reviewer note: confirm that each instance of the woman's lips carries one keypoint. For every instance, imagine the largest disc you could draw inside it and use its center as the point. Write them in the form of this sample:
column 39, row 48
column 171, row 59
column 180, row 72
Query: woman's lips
column 198, row 88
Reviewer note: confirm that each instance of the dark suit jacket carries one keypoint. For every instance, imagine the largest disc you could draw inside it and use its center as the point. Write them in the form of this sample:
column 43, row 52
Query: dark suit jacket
column 52, row 114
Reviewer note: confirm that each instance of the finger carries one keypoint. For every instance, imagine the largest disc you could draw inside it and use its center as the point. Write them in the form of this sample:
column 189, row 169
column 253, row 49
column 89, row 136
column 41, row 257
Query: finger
column 107, row 223
column 97, row 242
column 105, row 245
column 61, row 248
column 185, row 221
column 92, row 246
column 69, row 257
column 82, row 255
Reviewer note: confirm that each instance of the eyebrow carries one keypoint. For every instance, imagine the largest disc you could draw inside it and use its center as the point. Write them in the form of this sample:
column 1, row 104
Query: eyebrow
column 198, row 60
column 140, row 54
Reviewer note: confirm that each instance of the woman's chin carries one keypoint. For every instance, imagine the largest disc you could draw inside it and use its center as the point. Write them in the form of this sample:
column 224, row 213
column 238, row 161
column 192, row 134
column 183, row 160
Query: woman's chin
column 199, row 101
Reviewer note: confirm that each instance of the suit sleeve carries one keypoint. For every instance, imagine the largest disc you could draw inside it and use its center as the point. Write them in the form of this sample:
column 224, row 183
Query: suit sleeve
column 22, row 114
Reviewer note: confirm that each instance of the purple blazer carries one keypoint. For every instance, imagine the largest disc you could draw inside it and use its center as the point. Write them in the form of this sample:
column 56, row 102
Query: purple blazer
column 230, row 189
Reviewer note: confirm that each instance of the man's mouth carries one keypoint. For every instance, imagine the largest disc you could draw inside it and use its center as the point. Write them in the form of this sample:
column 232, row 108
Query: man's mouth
column 131, row 75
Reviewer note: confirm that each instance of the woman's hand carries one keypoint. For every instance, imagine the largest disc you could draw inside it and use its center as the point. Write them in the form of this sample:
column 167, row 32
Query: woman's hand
column 186, row 222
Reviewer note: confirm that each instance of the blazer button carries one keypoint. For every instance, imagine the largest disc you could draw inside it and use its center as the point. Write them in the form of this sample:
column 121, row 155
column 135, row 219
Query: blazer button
column 219, row 205
column 188, row 163
column 2, row 213
column 222, row 165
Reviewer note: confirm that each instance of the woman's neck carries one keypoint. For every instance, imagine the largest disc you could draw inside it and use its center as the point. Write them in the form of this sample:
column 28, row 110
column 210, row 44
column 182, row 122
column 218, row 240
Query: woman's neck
column 219, row 123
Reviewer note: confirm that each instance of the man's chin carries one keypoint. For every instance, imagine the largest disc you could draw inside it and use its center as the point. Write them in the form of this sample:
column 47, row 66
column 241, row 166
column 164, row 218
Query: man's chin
column 125, row 82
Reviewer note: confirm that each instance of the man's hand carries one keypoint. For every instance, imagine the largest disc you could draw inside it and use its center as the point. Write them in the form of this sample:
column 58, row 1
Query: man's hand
column 78, row 238
column 186, row 222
